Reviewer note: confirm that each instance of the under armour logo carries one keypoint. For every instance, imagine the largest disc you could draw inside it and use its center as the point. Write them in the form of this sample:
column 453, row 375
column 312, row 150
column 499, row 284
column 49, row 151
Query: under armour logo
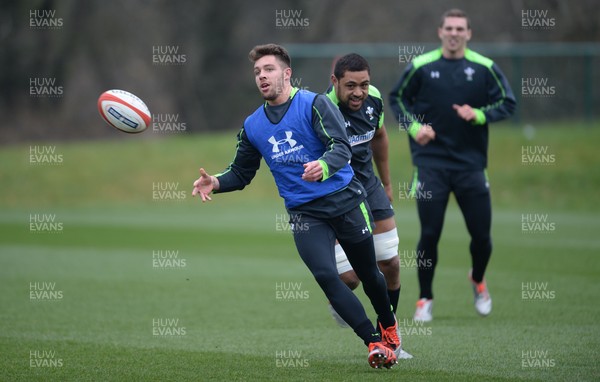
column 347, row 123
column 369, row 112
column 288, row 139
column 469, row 72
column 435, row 74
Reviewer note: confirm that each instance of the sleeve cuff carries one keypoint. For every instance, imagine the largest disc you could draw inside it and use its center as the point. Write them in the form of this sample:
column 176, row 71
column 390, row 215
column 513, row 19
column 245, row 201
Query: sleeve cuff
column 219, row 180
column 414, row 128
column 325, row 168
column 479, row 117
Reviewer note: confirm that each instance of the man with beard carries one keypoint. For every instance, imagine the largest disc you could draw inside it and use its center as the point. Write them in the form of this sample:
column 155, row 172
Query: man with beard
column 302, row 139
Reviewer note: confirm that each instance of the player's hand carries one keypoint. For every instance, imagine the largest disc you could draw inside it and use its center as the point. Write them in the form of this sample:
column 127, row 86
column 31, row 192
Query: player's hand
column 425, row 135
column 466, row 112
column 203, row 185
column 313, row 172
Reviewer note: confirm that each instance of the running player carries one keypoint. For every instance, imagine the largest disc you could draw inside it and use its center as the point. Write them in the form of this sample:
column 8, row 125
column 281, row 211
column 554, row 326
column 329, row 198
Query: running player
column 362, row 108
column 446, row 98
column 302, row 139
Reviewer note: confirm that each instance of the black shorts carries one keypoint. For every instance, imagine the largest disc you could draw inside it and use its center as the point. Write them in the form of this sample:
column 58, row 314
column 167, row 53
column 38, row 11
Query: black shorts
column 353, row 226
column 380, row 205
column 435, row 184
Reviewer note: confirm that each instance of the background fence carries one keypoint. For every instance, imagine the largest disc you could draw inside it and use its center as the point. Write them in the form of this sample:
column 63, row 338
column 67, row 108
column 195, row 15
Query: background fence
column 551, row 81
column 187, row 59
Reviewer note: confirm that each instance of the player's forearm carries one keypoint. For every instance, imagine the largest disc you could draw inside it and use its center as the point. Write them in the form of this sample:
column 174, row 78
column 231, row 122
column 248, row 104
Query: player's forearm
column 395, row 101
column 380, row 146
column 243, row 168
column 229, row 180
column 328, row 124
column 402, row 106
column 501, row 110
column 336, row 156
column 383, row 169
column 503, row 103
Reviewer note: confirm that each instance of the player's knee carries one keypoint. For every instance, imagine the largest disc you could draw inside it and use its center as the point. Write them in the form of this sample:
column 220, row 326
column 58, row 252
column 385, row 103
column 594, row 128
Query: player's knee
column 391, row 272
column 325, row 278
column 430, row 236
column 347, row 274
column 350, row 279
column 482, row 244
column 390, row 265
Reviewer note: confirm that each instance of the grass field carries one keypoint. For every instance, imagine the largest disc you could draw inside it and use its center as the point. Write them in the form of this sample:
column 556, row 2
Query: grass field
column 115, row 281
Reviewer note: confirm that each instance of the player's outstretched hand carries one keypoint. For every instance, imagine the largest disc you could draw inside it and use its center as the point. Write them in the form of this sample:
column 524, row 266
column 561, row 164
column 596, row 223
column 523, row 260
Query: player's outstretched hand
column 466, row 112
column 313, row 172
column 204, row 185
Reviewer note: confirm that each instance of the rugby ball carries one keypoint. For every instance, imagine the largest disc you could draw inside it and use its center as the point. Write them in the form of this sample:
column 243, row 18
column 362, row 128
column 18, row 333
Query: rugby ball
column 124, row 111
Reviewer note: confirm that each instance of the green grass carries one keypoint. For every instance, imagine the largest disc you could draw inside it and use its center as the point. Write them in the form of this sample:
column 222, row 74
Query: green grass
column 100, row 172
column 225, row 295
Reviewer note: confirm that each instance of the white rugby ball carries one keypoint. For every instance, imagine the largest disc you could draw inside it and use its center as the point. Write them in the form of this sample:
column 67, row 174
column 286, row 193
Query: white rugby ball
column 124, row 111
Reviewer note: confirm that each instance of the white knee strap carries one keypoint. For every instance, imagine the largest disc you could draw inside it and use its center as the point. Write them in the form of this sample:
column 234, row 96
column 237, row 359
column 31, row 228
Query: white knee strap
column 343, row 265
column 386, row 244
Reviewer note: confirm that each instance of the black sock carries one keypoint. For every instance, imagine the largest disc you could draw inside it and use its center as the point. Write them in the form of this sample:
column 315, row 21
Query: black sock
column 480, row 256
column 394, row 296
column 366, row 333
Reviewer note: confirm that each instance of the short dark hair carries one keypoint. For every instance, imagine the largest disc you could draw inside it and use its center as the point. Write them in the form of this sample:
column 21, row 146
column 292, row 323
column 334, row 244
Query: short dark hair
column 350, row 63
column 278, row 51
column 455, row 12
